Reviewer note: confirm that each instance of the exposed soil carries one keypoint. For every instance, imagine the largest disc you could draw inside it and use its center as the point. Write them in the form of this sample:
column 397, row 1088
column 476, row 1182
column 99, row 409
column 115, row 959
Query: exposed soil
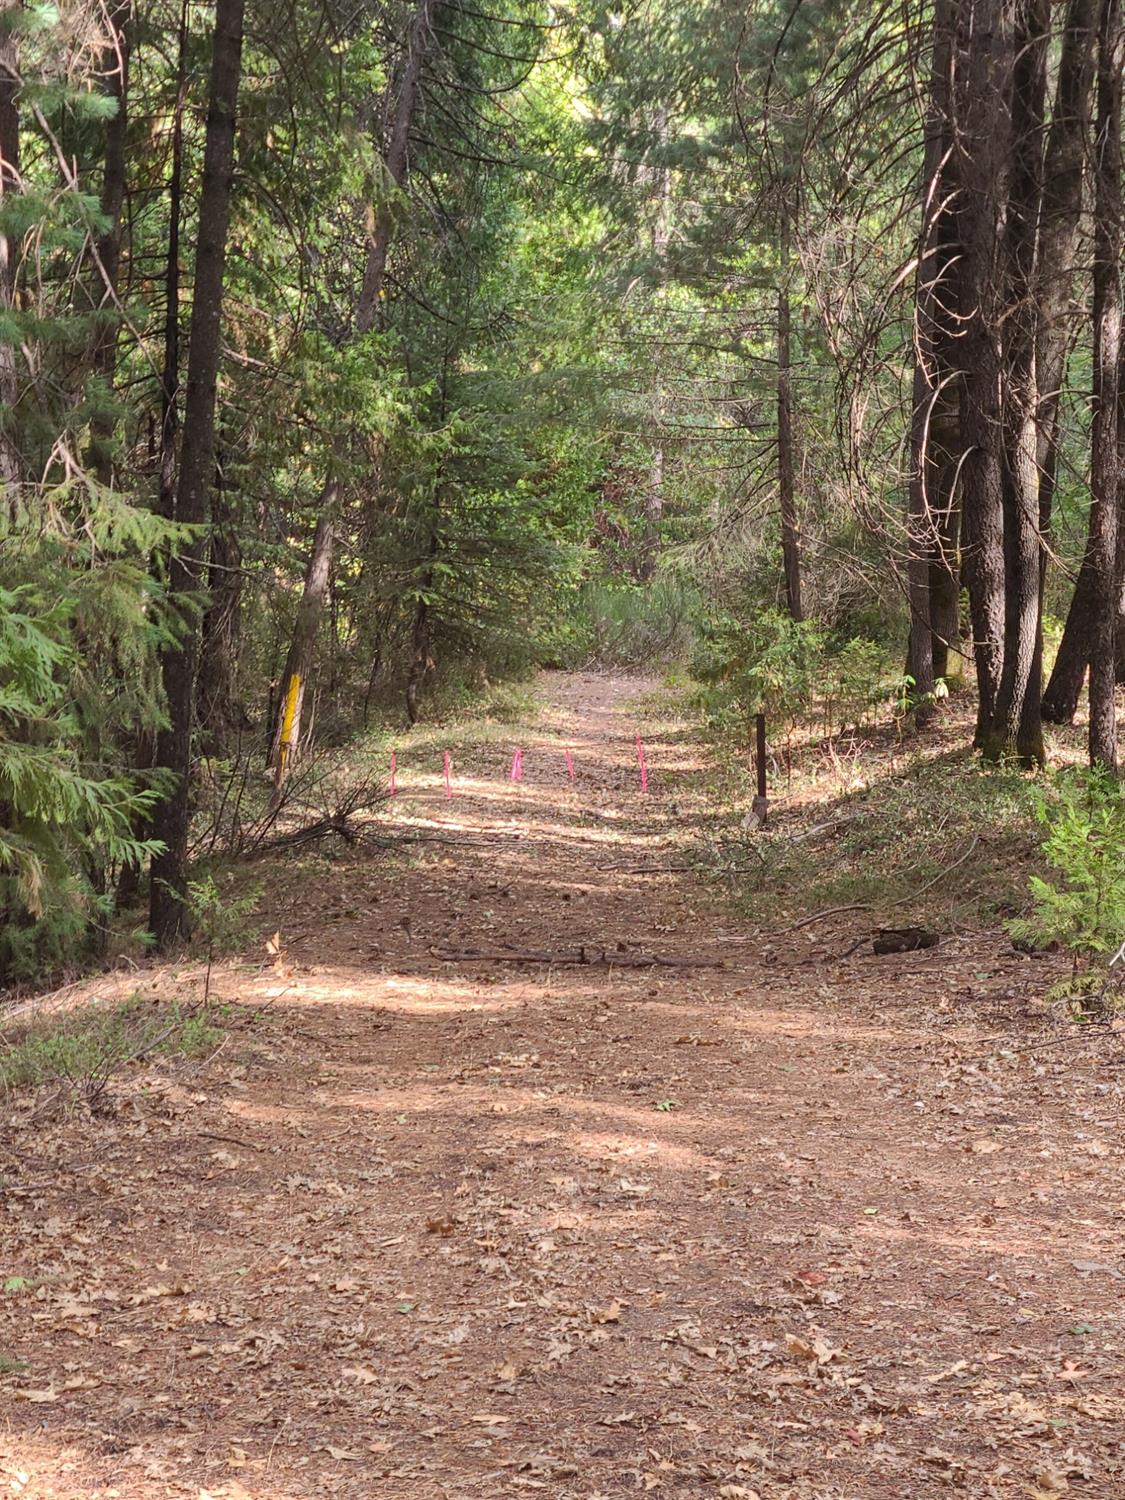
column 778, row 1224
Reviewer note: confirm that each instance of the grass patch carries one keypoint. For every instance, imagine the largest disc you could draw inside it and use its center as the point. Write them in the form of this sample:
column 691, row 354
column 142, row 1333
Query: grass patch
column 901, row 830
column 83, row 1048
column 904, row 832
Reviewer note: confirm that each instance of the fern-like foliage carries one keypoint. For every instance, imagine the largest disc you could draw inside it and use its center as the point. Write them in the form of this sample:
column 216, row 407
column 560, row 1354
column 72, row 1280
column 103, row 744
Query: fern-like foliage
column 81, row 621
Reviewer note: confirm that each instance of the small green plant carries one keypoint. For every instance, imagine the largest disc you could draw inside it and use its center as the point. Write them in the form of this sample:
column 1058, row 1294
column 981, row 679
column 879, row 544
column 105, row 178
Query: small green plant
column 1081, row 907
column 221, row 921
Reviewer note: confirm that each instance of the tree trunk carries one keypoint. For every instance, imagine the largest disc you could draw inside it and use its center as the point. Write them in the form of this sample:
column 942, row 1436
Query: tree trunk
column 1060, row 701
column 168, row 914
column 11, row 467
column 144, row 745
column 397, row 160
column 421, row 658
column 302, row 646
column 786, row 466
column 654, row 511
column 1104, row 457
column 381, row 219
column 170, row 371
column 1119, row 632
column 1060, row 221
column 935, row 426
column 981, row 134
column 920, row 647
column 661, row 233
column 1016, row 730
column 218, row 712
column 1064, row 172
column 116, row 68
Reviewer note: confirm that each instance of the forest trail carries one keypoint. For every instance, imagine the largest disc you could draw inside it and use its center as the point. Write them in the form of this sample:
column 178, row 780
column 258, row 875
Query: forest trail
column 446, row 1227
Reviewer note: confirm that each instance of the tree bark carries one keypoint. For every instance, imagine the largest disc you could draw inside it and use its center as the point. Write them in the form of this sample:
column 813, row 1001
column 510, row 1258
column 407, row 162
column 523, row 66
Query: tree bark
column 1060, row 701
column 421, row 656
column 935, row 425
column 786, row 466
column 170, row 371
column 1016, row 729
column 1064, row 175
column 654, row 511
column 421, row 652
column 1060, row 220
column 217, row 708
column 11, row 466
column 981, row 134
column 1119, row 634
column 168, row 913
column 1104, row 456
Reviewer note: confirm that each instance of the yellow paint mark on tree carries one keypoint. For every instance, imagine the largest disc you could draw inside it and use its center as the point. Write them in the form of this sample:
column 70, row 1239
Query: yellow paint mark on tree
column 286, row 745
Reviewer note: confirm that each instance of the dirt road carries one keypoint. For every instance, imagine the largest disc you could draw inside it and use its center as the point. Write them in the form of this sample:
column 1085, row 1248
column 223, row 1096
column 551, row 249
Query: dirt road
column 750, row 1222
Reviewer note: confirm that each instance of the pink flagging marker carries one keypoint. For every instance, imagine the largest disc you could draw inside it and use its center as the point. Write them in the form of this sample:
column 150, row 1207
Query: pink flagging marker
column 641, row 764
column 446, row 766
column 517, row 766
column 393, row 768
column 569, row 765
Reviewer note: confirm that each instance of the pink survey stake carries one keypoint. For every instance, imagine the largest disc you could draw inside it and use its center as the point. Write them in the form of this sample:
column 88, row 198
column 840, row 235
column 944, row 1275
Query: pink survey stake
column 569, row 765
column 517, row 766
column 446, row 766
column 641, row 765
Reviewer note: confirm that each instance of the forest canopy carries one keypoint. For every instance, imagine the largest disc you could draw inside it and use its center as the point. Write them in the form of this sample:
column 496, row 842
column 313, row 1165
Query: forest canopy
column 353, row 357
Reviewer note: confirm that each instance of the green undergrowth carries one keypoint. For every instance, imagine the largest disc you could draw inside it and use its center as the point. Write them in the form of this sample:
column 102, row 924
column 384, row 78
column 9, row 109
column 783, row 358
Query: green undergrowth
column 462, row 722
column 83, row 1048
column 907, row 837
column 626, row 626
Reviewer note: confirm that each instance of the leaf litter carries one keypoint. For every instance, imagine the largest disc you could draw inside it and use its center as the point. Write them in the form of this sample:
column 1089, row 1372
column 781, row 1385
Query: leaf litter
column 464, row 1251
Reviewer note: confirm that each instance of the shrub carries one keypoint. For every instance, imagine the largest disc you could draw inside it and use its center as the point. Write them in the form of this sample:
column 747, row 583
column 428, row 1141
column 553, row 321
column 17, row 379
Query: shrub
column 78, row 611
column 768, row 662
column 628, row 625
column 83, row 1048
column 1081, row 906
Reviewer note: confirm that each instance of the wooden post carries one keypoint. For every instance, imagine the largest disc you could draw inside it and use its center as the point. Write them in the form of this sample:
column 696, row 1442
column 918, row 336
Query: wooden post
column 759, row 807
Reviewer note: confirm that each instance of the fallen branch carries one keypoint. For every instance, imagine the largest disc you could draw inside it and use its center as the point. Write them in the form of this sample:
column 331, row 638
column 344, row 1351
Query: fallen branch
column 819, row 828
column 312, row 833
column 484, row 842
column 682, row 869
column 1082, row 1031
column 231, row 1140
column 649, row 869
column 819, row 916
column 583, row 956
